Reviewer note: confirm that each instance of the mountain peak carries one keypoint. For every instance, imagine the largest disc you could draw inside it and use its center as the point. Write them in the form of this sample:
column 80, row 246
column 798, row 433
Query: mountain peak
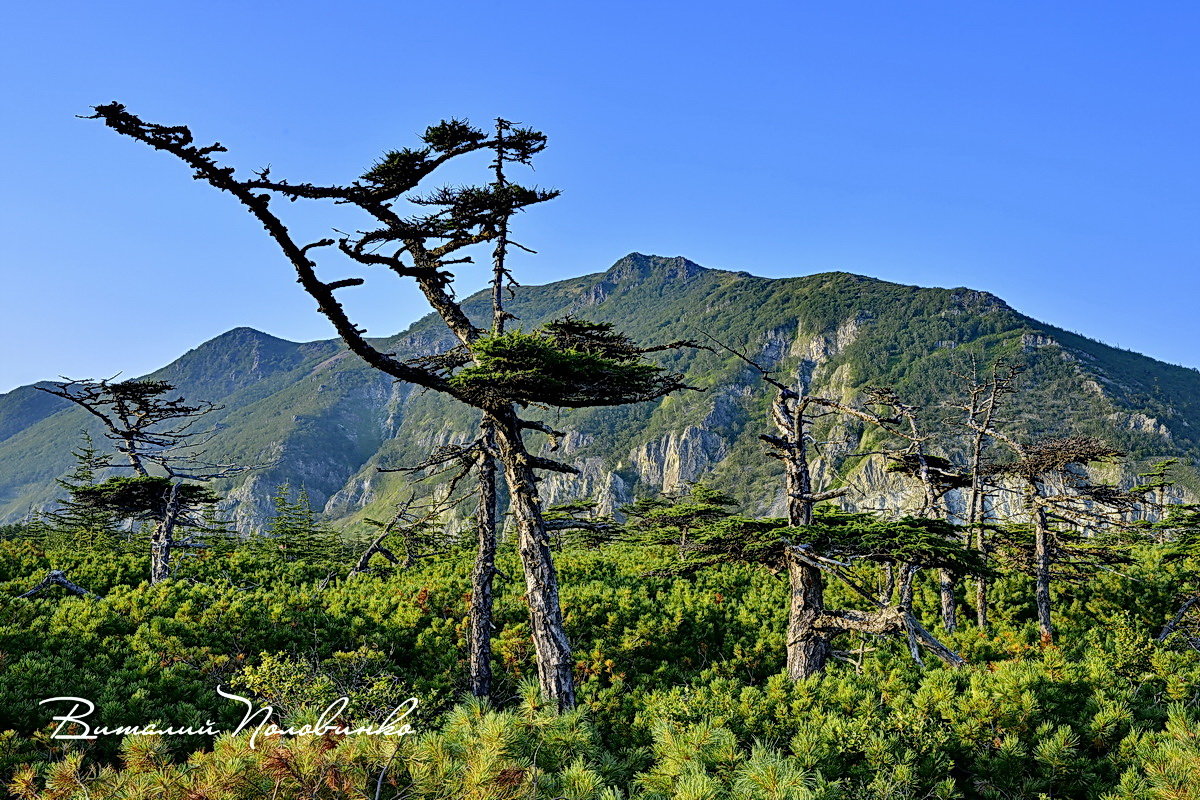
column 330, row 424
column 244, row 334
column 638, row 267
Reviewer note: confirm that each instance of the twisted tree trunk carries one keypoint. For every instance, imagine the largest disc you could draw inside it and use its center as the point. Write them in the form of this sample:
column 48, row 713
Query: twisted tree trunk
column 811, row 627
column 484, row 573
column 1041, row 563
column 808, row 645
column 56, row 577
column 424, row 253
column 162, row 541
column 932, row 507
column 555, row 667
column 946, row 597
column 890, row 621
column 981, row 586
column 1175, row 622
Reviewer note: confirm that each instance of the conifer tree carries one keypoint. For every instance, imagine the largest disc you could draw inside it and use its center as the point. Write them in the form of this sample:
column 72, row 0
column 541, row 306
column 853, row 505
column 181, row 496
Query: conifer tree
column 811, row 626
column 1059, row 497
column 935, row 475
column 568, row 364
column 483, row 576
column 1177, row 532
column 295, row 532
column 700, row 525
column 75, row 516
column 151, row 433
column 982, row 412
column 410, row 532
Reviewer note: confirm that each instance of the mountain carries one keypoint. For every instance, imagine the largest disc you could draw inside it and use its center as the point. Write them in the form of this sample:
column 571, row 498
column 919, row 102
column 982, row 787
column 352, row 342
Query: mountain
column 312, row 414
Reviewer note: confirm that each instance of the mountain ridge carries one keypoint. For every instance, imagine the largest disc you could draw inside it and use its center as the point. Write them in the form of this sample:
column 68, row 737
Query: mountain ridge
column 323, row 419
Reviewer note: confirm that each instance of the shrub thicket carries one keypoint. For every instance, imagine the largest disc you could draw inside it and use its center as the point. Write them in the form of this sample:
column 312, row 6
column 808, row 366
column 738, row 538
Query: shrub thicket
column 681, row 684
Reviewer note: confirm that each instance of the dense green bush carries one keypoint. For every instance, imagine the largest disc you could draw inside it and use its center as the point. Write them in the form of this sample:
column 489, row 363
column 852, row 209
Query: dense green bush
column 681, row 686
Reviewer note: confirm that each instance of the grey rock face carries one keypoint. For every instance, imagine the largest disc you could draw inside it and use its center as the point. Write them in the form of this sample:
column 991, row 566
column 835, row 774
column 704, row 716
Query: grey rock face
column 317, row 417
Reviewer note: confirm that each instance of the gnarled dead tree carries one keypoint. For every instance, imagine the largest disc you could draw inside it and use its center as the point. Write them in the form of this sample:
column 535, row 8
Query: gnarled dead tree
column 410, row 534
column 460, row 462
column 1059, row 497
column 811, row 626
column 57, row 577
column 981, row 411
column 831, row 544
column 935, row 475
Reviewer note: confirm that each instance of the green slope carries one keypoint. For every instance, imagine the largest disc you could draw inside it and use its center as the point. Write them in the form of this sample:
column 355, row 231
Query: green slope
column 311, row 414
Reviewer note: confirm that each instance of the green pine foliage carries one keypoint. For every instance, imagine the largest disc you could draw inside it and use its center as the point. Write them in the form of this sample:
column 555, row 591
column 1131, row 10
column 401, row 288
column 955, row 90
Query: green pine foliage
column 701, row 525
column 78, row 514
column 295, row 534
column 682, row 688
column 139, row 497
column 566, row 362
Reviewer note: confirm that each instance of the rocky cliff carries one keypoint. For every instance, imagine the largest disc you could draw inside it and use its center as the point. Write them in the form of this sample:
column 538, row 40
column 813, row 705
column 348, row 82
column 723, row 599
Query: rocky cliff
column 313, row 415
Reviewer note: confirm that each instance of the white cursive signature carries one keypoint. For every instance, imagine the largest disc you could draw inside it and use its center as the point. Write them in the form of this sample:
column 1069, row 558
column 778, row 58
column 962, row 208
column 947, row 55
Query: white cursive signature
column 255, row 719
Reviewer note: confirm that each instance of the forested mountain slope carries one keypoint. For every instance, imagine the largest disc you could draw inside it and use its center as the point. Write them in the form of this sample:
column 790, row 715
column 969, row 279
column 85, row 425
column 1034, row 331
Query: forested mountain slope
column 313, row 415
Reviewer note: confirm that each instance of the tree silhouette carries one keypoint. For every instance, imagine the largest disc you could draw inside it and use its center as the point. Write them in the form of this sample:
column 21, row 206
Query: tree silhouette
column 154, row 436
column 809, row 549
column 422, row 245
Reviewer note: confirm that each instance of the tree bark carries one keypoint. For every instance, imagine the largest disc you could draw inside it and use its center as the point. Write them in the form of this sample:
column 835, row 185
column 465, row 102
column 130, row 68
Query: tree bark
column 483, row 576
column 428, row 266
column 1171, row 626
column 808, row 646
column 364, row 561
column 555, row 667
column 163, row 539
column 981, row 414
column 56, row 577
column 917, row 632
column 811, row 627
column 908, row 622
column 981, row 588
column 932, row 507
column 975, row 515
column 946, row 595
column 1041, row 564
column 892, row 621
column 889, row 584
column 905, row 600
column 160, row 560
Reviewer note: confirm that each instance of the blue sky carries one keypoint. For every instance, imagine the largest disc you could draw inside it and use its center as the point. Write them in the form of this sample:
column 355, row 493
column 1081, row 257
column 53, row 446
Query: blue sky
column 1046, row 152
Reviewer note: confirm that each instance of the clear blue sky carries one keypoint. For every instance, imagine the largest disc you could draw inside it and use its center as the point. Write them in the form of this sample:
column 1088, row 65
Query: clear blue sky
column 1046, row 152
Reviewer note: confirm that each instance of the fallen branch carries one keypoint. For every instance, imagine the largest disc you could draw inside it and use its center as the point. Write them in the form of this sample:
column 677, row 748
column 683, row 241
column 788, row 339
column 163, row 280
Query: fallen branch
column 1170, row 627
column 891, row 621
column 57, row 576
column 376, row 546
